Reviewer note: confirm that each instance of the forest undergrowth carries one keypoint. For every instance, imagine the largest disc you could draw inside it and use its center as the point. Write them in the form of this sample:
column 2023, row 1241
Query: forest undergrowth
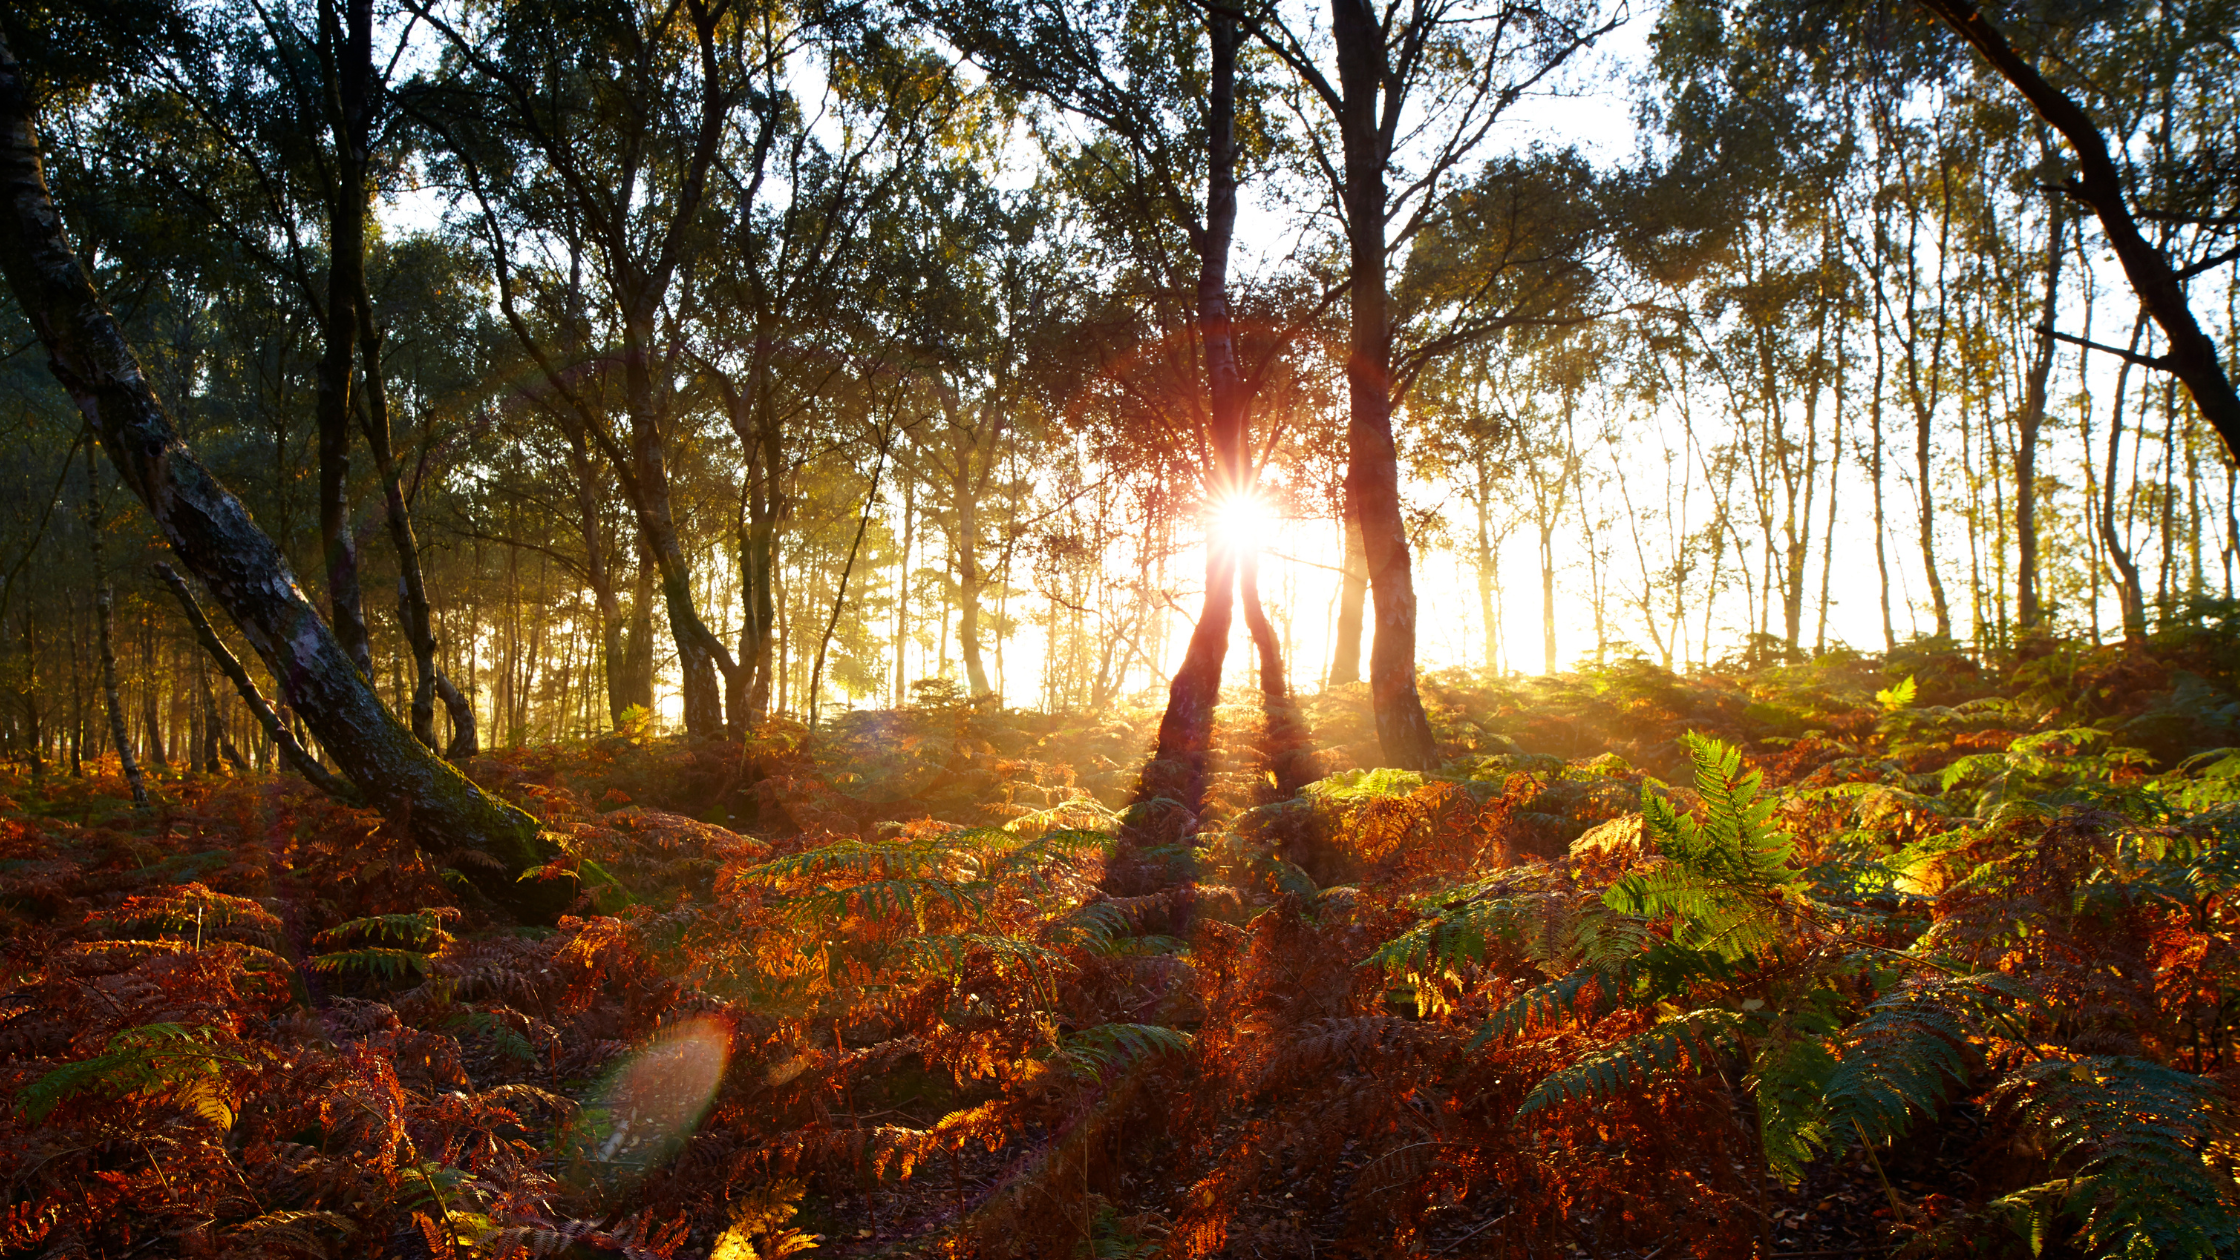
column 1861, row 956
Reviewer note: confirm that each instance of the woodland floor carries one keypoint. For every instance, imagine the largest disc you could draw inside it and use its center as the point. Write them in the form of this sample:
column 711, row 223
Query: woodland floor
column 979, row 984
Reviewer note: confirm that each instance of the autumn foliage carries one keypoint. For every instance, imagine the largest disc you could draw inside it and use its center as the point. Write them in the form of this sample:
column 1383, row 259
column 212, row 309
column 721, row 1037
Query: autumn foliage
column 1889, row 956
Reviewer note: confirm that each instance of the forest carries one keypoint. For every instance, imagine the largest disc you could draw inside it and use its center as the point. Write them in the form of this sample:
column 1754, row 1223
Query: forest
column 722, row 629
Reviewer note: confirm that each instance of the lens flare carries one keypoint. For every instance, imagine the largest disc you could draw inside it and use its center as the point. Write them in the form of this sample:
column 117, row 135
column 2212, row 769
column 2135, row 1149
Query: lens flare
column 1241, row 521
column 645, row 1109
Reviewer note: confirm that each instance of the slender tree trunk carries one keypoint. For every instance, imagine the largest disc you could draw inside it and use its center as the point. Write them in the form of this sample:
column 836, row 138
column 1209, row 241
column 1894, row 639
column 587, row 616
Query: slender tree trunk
column 413, row 613
column 969, row 578
column 346, row 50
column 902, row 583
column 102, row 599
column 1835, row 479
column 1263, row 632
column 2027, row 600
column 213, row 536
column 2133, row 601
column 840, row 593
column 1353, row 599
column 1486, row 566
column 1372, row 459
column 1547, row 595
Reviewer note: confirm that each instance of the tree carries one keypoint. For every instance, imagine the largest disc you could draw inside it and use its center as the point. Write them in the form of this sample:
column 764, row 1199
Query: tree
column 535, row 125
column 212, row 535
column 1462, row 67
column 2100, row 186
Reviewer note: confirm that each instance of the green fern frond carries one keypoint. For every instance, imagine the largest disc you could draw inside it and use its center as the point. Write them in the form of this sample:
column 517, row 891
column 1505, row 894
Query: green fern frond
column 158, row 1062
column 1349, row 788
column 379, row 961
column 2133, row 1135
column 1096, row 1052
column 419, row 929
column 1726, row 878
column 1788, row 1081
column 1696, row 1038
column 1908, row 1054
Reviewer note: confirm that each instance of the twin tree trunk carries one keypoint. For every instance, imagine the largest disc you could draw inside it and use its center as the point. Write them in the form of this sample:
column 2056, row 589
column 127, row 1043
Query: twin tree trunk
column 211, row 533
column 1186, row 729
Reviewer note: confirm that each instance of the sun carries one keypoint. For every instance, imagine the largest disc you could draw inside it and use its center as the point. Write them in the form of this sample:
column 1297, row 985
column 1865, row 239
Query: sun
column 1242, row 521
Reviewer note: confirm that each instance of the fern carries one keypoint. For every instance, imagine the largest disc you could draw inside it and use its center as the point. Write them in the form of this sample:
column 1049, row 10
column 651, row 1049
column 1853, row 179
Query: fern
column 1788, row 1080
column 1897, row 696
column 378, row 961
column 1726, row 878
column 1349, row 788
column 1697, row 1037
column 154, row 1062
column 1907, row 1055
column 2133, row 1135
column 1100, row 1051
column 508, row 1040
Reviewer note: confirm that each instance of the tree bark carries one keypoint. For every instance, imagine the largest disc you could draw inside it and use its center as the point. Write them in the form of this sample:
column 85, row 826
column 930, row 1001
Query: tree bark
column 2192, row 356
column 1263, row 632
column 1186, row 729
column 1372, row 460
column 346, row 48
column 102, row 600
column 2129, row 595
column 1488, row 617
column 1353, row 599
column 2027, row 610
column 211, row 533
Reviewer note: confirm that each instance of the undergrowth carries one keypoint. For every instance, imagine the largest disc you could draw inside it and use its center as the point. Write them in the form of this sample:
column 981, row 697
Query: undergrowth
column 1857, row 956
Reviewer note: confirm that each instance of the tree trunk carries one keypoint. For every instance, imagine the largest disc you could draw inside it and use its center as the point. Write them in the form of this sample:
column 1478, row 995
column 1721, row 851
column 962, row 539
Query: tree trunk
column 1372, row 460
column 902, row 584
column 346, row 46
column 969, row 578
column 1928, row 522
column 1186, row 729
column 2132, row 599
column 413, row 614
column 702, row 658
column 1353, row 598
column 1263, row 632
column 2027, row 610
column 211, row 533
column 102, row 599
column 1487, row 562
column 1548, row 595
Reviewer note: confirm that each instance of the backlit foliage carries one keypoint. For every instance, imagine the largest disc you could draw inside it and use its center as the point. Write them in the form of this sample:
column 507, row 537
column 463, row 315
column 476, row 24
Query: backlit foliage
column 1531, row 1003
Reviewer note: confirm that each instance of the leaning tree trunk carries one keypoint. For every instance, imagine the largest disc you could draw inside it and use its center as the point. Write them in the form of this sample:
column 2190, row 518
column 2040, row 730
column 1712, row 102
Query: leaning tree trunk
column 211, row 533
column 1263, row 631
column 2160, row 287
column 1372, row 460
